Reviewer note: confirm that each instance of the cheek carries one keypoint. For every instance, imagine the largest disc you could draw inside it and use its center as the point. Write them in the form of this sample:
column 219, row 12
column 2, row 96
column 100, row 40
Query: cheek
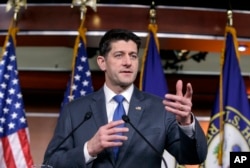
column 136, row 65
column 112, row 65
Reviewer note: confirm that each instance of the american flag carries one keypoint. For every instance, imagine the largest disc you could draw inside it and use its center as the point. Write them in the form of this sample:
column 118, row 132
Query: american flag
column 80, row 83
column 14, row 133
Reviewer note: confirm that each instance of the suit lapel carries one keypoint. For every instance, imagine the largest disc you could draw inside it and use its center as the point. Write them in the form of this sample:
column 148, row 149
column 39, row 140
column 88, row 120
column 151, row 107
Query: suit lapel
column 98, row 108
column 136, row 108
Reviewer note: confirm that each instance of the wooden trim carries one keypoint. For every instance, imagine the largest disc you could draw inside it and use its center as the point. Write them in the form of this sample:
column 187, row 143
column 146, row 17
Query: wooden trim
column 179, row 29
column 186, row 23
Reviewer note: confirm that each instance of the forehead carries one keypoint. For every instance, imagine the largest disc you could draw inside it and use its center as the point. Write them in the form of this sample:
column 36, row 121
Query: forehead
column 121, row 45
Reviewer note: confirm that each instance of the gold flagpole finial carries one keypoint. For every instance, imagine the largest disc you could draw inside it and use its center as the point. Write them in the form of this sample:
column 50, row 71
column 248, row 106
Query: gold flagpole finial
column 83, row 5
column 16, row 4
column 230, row 18
column 152, row 13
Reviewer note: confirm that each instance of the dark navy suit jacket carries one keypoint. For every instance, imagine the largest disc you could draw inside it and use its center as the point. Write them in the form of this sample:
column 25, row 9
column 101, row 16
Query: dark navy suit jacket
column 146, row 113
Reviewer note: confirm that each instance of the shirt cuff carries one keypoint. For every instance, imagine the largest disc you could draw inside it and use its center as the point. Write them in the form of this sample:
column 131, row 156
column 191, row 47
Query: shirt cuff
column 87, row 156
column 189, row 129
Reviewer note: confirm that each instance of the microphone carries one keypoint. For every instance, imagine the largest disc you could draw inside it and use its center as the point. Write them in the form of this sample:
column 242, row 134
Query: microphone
column 87, row 116
column 127, row 120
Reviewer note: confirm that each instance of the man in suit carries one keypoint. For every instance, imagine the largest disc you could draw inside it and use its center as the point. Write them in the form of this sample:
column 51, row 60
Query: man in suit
column 167, row 124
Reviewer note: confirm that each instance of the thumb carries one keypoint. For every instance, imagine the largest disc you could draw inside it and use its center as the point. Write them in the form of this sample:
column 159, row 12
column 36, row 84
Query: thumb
column 179, row 86
column 189, row 91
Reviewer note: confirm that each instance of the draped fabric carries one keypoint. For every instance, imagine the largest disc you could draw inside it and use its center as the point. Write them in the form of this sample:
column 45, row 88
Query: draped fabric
column 80, row 82
column 14, row 132
column 229, row 125
column 152, row 79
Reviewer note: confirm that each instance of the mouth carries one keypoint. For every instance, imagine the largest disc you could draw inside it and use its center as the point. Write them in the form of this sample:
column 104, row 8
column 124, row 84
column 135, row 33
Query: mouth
column 126, row 72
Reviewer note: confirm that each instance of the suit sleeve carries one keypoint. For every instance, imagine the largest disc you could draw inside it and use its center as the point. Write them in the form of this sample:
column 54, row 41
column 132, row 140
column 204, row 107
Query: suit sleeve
column 187, row 150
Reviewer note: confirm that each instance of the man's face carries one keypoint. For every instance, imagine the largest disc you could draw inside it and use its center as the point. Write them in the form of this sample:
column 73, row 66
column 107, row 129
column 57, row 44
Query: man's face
column 120, row 64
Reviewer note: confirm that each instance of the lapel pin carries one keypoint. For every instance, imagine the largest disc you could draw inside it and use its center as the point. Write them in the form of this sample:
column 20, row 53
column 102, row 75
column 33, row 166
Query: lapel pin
column 138, row 108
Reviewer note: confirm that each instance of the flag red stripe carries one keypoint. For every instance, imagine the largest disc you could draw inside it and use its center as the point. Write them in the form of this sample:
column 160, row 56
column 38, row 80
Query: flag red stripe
column 24, row 141
column 7, row 153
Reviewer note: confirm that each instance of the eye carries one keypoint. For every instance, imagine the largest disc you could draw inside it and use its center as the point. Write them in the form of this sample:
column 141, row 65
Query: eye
column 134, row 56
column 118, row 55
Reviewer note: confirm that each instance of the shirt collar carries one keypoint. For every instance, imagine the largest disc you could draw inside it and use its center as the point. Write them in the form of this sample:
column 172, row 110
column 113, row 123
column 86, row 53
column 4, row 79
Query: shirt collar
column 109, row 94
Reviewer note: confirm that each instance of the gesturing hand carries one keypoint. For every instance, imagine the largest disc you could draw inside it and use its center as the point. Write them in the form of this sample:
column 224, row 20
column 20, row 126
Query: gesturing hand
column 107, row 136
column 179, row 104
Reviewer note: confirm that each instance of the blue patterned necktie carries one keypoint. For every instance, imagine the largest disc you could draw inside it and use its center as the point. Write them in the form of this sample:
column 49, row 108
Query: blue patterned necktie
column 119, row 112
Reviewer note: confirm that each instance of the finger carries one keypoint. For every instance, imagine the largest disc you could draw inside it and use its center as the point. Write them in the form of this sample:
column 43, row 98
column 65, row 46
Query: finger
column 173, row 106
column 117, row 130
column 111, row 141
column 179, row 86
column 115, row 140
column 116, row 137
column 173, row 109
column 114, row 124
column 189, row 91
column 172, row 98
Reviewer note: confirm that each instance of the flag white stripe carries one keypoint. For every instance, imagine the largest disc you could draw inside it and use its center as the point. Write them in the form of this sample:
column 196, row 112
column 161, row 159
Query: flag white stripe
column 16, row 149
column 2, row 161
column 27, row 134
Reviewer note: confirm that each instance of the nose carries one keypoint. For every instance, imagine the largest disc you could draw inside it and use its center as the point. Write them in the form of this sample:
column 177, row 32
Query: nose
column 127, row 60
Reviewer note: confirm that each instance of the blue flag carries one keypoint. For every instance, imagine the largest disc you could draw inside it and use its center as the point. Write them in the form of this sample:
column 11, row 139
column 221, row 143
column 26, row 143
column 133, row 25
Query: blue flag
column 80, row 83
column 152, row 79
column 229, row 127
column 14, row 132
column 152, row 75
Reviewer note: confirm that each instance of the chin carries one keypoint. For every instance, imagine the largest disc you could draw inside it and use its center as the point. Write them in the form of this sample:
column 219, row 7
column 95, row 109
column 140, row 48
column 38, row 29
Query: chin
column 126, row 84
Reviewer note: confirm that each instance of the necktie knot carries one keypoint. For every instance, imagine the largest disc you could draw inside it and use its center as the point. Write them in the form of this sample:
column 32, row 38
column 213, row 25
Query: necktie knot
column 118, row 98
column 119, row 111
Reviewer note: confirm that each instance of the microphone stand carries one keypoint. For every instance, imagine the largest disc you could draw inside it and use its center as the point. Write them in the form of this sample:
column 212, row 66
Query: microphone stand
column 87, row 116
column 127, row 120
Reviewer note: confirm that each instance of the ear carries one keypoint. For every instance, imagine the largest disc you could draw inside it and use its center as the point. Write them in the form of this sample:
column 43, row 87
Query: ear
column 101, row 62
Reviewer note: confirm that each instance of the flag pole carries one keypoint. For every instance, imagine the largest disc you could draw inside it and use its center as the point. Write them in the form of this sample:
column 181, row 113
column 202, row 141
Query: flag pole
column 13, row 29
column 17, row 5
column 152, row 27
column 220, row 152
